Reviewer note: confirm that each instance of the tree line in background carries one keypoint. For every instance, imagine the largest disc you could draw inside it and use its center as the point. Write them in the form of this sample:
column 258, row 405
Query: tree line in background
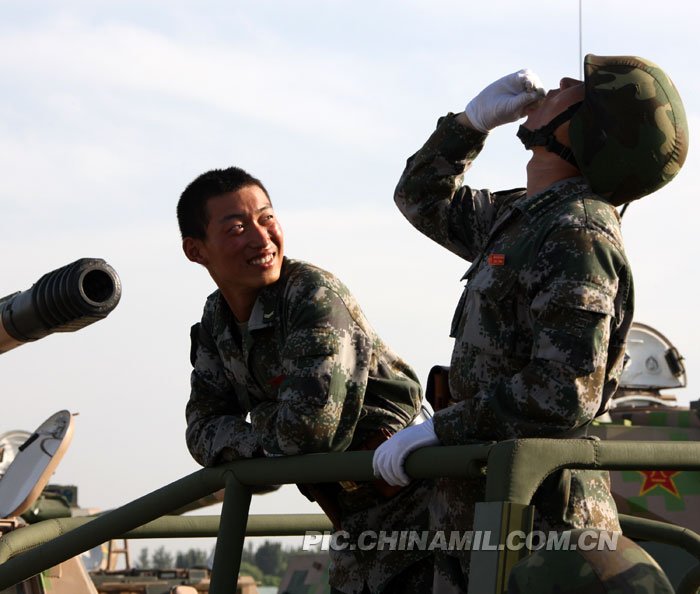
column 266, row 564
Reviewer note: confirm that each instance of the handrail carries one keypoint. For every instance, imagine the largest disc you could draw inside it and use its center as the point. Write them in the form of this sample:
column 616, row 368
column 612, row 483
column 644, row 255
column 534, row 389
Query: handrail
column 663, row 532
column 527, row 462
column 453, row 461
column 18, row 541
column 516, row 468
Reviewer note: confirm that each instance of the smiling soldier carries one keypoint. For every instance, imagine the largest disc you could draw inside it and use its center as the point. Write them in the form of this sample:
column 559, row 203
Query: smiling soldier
column 286, row 343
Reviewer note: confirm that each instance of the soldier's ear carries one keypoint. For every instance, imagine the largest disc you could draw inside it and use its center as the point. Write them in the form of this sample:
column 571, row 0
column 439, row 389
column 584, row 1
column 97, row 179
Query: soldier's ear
column 194, row 250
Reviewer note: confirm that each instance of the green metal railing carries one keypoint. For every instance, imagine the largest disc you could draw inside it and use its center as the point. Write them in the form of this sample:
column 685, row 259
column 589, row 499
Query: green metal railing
column 515, row 469
column 17, row 542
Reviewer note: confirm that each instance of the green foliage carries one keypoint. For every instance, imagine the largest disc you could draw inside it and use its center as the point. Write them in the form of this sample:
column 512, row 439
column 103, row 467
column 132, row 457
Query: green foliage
column 248, row 553
column 162, row 559
column 192, row 558
column 251, row 570
column 266, row 564
column 271, row 580
column 268, row 557
column 143, row 560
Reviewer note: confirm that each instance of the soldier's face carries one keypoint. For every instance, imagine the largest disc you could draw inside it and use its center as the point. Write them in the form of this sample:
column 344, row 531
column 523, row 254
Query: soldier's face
column 556, row 101
column 244, row 245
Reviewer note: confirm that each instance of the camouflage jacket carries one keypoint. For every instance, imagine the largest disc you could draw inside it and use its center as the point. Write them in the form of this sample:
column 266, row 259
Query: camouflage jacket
column 541, row 326
column 540, row 329
column 307, row 366
column 314, row 377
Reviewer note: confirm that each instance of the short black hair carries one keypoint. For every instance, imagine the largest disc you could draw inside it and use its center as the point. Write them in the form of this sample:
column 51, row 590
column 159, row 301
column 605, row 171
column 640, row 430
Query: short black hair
column 192, row 214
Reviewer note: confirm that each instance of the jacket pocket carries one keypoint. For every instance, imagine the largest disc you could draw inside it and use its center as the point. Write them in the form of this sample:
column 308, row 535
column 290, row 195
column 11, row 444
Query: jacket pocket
column 574, row 325
column 488, row 319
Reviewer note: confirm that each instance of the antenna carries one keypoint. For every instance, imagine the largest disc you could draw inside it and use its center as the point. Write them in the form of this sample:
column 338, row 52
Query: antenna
column 580, row 40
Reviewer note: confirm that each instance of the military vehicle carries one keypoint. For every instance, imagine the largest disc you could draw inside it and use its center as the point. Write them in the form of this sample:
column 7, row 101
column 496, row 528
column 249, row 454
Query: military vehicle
column 642, row 410
column 650, row 443
column 64, row 300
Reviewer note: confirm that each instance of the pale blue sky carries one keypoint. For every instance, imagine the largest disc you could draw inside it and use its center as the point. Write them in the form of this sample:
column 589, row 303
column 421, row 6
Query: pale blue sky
column 108, row 109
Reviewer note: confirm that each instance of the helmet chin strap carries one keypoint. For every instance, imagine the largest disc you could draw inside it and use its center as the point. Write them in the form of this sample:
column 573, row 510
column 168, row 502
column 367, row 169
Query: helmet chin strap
column 544, row 136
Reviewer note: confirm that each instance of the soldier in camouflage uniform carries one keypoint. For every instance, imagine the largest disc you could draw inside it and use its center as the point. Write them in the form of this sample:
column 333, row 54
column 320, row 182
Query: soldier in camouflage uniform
column 286, row 343
column 540, row 329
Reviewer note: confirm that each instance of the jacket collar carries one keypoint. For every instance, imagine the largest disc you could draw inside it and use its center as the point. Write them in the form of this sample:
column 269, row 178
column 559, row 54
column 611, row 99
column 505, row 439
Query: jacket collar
column 564, row 190
column 265, row 312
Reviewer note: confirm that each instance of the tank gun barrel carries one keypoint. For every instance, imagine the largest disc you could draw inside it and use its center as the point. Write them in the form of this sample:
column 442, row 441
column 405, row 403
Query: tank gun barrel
column 63, row 300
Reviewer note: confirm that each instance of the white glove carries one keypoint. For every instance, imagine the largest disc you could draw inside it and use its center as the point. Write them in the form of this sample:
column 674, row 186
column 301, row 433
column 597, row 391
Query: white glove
column 504, row 101
column 389, row 457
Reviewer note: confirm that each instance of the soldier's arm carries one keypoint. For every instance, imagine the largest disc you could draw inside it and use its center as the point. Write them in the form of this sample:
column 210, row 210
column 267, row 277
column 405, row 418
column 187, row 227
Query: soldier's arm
column 326, row 360
column 430, row 192
column 216, row 427
column 560, row 389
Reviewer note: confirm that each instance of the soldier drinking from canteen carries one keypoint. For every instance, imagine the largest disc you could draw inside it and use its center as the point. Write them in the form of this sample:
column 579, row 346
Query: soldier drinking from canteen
column 540, row 330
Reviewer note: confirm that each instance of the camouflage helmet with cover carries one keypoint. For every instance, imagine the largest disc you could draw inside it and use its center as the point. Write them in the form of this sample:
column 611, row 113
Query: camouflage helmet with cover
column 629, row 135
column 625, row 568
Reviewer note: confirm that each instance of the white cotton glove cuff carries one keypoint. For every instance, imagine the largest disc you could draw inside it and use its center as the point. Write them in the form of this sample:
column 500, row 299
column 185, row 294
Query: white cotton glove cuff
column 389, row 457
column 505, row 100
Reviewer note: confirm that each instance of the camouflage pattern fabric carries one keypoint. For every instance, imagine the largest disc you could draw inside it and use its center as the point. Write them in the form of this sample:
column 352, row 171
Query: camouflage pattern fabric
column 414, row 580
column 389, row 572
column 630, row 136
column 314, row 377
column 450, row 574
column 540, row 329
column 568, row 498
column 628, row 569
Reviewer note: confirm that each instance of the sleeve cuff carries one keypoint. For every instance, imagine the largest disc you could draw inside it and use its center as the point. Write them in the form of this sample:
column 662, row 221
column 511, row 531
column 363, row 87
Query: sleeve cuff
column 455, row 142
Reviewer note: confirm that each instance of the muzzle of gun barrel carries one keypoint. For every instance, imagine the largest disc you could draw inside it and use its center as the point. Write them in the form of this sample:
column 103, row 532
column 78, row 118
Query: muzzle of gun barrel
column 64, row 300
